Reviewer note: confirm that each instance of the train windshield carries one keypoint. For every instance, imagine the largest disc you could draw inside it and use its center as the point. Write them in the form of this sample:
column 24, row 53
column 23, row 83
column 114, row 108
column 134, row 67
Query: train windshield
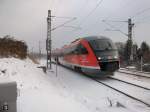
column 102, row 45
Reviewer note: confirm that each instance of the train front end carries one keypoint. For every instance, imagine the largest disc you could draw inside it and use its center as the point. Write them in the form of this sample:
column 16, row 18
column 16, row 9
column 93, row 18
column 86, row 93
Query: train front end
column 106, row 54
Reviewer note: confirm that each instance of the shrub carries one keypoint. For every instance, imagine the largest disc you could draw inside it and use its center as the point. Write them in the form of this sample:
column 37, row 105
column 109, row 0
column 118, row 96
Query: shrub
column 9, row 47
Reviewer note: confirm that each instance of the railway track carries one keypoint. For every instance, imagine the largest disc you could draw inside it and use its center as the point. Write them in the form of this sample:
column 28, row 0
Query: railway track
column 135, row 73
column 122, row 92
column 147, row 103
column 129, row 83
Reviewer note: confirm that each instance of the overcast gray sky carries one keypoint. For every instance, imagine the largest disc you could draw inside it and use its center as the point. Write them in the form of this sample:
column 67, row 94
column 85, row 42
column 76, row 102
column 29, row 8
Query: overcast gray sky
column 26, row 19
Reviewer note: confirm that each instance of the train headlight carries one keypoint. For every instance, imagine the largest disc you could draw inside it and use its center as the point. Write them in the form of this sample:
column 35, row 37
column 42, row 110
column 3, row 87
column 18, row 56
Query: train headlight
column 115, row 57
column 99, row 58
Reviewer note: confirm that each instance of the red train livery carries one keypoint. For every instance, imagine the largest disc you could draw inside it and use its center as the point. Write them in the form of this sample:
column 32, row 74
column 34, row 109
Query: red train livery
column 94, row 56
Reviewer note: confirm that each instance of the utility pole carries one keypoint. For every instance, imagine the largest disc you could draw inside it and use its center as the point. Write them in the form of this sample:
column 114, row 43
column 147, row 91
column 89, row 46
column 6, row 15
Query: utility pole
column 48, row 40
column 39, row 49
column 130, row 27
column 129, row 35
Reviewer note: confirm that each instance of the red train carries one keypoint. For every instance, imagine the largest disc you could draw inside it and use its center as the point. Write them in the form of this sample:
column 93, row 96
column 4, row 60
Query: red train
column 94, row 56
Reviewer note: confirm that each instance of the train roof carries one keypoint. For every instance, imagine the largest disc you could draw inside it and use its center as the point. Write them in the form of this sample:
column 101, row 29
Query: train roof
column 89, row 38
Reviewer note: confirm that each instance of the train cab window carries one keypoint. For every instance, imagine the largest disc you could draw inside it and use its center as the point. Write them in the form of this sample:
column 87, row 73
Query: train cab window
column 81, row 49
column 102, row 44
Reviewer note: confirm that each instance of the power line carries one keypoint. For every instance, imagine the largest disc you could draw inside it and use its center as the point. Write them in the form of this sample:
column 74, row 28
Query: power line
column 114, row 21
column 64, row 17
column 115, row 29
column 123, row 7
column 129, row 35
column 140, row 12
column 74, row 27
column 137, row 14
column 92, row 11
column 143, row 20
column 63, row 24
column 83, row 6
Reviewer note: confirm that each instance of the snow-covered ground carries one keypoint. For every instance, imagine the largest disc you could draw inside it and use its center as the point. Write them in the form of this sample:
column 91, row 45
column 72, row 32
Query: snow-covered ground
column 67, row 91
column 35, row 91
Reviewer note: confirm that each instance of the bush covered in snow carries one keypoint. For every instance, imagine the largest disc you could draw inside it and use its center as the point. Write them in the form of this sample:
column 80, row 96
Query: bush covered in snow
column 10, row 47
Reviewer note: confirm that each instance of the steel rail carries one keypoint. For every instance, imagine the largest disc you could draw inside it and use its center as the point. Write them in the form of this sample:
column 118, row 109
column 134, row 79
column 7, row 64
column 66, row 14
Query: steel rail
column 130, row 83
column 132, row 97
column 134, row 74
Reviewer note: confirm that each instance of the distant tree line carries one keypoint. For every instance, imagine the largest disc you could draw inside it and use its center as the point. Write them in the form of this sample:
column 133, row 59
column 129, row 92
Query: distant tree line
column 139, row 52
column 10, row 47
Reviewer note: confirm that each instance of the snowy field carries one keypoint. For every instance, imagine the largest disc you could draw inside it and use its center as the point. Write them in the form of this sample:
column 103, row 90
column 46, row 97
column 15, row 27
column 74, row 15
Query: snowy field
column 66, row 91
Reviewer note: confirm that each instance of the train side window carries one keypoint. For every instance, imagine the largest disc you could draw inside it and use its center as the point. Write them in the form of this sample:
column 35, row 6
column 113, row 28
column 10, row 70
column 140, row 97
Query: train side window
column 82, row 49
column 70, row 50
